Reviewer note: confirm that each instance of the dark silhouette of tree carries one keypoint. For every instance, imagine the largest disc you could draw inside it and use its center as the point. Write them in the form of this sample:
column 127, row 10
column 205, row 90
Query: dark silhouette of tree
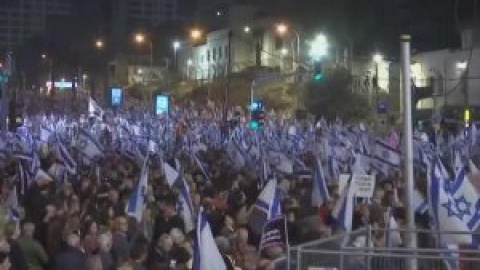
column 333, row 97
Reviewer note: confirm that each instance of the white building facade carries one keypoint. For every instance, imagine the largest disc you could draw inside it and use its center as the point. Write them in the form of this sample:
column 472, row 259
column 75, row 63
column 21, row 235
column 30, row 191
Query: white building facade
column 254, row 42
column 454, row 75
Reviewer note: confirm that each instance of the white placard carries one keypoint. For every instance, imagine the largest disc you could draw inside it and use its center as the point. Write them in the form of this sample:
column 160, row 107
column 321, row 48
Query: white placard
column 363, row 185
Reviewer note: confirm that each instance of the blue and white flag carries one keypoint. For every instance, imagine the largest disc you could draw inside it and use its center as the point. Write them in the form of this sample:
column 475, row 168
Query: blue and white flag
column 343, row 211
column 137, row 197
column 94, row 110
column 320, row 194
column 386, row 154
column 267, row 207
column 88, row 146
column 65, row 158
column 186, row 209
column 280, row 162
column 172, row 171
column 206, row 255
column 448, row 213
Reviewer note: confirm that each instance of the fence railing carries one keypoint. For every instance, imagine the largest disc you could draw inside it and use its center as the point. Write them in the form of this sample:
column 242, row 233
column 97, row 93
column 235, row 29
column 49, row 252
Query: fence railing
column 361, row 250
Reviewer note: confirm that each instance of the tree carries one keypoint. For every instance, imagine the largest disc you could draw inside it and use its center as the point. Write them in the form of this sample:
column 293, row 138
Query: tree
column 333, row 97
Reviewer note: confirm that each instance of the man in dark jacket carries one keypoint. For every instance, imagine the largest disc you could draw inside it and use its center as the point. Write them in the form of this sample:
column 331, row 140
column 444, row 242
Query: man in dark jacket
column 71, row 258
column 168, row 218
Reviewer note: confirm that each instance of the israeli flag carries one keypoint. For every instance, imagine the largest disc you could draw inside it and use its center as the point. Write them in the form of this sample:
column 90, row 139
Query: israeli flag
column 386, row 154
column 186, row 210
column 267, row 207
column 280, row 162
column 343, row 211
column 171, row 170
column 206, row 255
column 320, row 193
column 94, row 110
column 65, row 158
column 137, row 197
column 464, row 193
column 88, row 146
column 45, row 134
column 447, row 213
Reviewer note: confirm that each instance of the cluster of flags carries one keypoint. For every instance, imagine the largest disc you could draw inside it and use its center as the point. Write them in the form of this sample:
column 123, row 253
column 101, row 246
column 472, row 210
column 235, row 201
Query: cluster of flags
column 452, row 201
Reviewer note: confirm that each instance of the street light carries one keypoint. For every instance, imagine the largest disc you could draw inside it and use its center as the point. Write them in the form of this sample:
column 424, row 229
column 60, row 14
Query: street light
column 284, row 51
column 176, row 46
column 196, row 34
column 189, row 65
column 247, row 29
column 377, row 58
column 462, row 65
column 99, row 44
column 319, row 47
column 141, row 38
column 282, row 29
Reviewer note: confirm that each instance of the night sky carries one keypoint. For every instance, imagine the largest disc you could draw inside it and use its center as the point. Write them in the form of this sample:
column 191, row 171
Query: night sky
column 366, row 25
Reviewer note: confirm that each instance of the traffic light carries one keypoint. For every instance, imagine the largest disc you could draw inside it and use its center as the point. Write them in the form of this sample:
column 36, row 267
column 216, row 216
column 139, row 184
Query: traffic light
column 317, row 72
column 257, row 120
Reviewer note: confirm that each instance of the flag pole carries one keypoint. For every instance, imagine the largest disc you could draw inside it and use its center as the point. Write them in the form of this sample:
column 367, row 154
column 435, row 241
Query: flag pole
column 408, row 135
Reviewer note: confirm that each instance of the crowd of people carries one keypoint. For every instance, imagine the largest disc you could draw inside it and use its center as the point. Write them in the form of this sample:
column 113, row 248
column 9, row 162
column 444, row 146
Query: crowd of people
column 80, row 222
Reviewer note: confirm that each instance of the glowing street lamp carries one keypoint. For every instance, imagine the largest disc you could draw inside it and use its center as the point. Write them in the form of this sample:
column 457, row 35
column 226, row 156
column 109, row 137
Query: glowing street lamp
column 319, row 47
column 196, row 34
column 281, row 29
column 377, row 58
column 247, row 29
column 176, row 45
column 99, row 44
column 141, row 38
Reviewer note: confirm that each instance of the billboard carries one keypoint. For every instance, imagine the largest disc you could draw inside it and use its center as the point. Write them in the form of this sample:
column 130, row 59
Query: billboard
column 116, row 96
column 161, row 104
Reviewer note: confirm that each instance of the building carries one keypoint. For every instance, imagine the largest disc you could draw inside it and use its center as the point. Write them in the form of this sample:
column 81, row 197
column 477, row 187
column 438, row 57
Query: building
column 254, row 43
column 21, row 19
column 451, row 75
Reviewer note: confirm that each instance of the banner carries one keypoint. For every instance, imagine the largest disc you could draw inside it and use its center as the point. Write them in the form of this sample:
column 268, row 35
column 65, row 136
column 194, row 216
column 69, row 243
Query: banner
column 274, row 234
column 363, row 185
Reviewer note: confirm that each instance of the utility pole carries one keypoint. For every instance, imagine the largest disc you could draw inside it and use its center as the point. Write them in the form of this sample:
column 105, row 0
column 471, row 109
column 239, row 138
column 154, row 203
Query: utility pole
column 408, row 135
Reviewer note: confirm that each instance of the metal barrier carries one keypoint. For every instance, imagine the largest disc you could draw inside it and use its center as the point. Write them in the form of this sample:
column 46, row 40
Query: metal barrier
column 357, row 251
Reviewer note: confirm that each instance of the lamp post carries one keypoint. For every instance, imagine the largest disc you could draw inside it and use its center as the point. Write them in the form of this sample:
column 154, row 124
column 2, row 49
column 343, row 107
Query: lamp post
column 142, row 38
column 408, row 148
column 176, row 45
column 49, row 62
column 377, row 60
column 282, row 29
column 284, row 52
column 318, row 47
